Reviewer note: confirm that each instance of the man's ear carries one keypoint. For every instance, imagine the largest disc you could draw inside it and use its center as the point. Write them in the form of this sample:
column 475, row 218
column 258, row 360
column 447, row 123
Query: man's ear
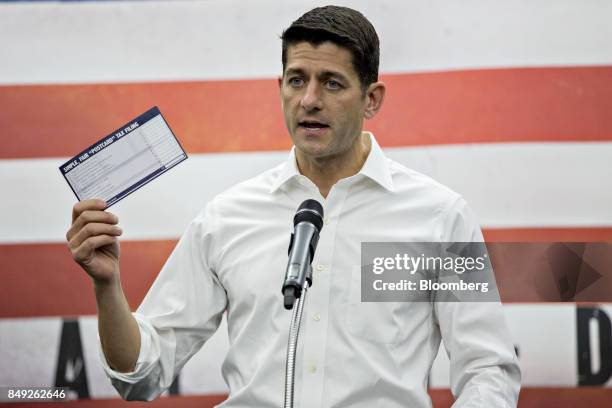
column 375, row 94
column 280, row 82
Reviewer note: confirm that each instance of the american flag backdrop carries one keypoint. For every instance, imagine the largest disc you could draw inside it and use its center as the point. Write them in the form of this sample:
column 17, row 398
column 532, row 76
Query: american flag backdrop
column 507, row 102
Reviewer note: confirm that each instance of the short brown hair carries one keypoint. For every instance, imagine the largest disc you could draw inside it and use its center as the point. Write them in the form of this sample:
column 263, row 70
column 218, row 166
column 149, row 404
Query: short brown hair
column 344, row 27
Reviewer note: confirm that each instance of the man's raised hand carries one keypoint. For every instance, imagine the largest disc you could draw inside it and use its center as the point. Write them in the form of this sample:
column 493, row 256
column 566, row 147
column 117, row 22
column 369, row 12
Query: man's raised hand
column 92, row 240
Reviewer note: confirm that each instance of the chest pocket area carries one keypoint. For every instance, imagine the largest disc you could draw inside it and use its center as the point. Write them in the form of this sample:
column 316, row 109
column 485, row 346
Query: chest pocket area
column 378, row 322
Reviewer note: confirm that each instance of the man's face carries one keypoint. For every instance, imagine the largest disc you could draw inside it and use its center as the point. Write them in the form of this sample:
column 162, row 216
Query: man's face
column 322, row 99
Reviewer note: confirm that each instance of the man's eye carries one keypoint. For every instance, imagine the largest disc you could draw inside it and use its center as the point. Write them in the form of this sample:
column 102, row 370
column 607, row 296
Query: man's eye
column 333, row 85
column 296, row 81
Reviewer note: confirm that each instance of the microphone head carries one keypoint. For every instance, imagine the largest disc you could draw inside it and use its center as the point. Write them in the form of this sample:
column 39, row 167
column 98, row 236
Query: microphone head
column 310, row 211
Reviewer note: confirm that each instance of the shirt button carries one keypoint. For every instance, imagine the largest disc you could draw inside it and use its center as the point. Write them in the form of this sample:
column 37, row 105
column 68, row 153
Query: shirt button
column 312, row 368
column 317, row 317
column 326, row 221
column 320, row 267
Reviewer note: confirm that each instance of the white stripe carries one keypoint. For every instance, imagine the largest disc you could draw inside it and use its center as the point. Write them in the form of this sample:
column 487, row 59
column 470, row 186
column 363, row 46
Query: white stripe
column 545, row 335
column 515, row 185
column 507, row 185
column 29, row 349
column 74, row 42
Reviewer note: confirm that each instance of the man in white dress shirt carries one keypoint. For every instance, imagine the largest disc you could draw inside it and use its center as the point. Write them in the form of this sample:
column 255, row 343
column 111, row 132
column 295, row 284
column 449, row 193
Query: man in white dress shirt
column 232, row 260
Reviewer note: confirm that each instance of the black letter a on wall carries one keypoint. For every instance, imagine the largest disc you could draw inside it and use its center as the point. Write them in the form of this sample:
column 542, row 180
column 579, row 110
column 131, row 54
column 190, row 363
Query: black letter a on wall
column 70, row 363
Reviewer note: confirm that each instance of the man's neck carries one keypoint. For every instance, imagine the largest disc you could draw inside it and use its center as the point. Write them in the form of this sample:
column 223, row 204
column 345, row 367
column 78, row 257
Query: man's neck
column 326, row 171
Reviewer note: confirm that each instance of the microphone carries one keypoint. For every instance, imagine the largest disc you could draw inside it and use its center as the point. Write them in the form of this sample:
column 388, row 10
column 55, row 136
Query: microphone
column 307, row 224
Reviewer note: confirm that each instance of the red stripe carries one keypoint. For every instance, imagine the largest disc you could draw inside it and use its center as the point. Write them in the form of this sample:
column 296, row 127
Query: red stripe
column 544, row 398
column 602, row 234
column 199, row 401
column 529, row 398
column 42, row 279
column 495, row 105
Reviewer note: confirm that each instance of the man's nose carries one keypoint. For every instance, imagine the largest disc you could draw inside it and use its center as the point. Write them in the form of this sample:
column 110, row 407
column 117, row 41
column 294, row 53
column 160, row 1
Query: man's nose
column 311, row 100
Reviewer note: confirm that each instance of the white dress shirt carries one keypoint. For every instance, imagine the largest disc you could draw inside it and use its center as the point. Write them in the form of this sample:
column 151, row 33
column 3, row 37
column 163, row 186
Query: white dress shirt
column 232, row 259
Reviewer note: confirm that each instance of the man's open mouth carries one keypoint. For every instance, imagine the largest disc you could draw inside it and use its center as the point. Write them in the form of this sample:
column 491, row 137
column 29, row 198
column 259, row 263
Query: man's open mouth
column 313, row 125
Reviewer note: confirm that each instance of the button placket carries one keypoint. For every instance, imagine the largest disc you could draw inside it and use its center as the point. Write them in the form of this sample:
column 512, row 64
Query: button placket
column 315, row 340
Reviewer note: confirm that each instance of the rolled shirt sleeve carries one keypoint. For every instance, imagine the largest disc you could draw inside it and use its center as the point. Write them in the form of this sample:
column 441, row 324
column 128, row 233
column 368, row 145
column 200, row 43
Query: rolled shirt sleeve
column 180, row 312
column 134, row 383
column 484, row 370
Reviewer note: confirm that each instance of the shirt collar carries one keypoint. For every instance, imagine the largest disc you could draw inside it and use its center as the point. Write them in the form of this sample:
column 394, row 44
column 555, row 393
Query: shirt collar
column 375, row 168
column 288, row 171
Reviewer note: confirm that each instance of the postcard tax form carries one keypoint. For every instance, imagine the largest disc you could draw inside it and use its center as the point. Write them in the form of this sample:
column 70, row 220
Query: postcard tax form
column 125, row 160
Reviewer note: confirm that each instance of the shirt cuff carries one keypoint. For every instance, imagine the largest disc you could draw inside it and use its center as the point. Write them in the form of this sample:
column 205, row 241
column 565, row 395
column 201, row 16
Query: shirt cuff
column 148, row 356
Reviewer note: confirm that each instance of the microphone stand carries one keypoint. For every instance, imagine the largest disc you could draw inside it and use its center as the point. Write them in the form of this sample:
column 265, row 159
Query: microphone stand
column 294, row 331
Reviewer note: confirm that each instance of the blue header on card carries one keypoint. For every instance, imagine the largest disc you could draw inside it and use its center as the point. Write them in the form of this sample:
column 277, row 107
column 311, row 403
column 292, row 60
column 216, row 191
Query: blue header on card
column 108, row 140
